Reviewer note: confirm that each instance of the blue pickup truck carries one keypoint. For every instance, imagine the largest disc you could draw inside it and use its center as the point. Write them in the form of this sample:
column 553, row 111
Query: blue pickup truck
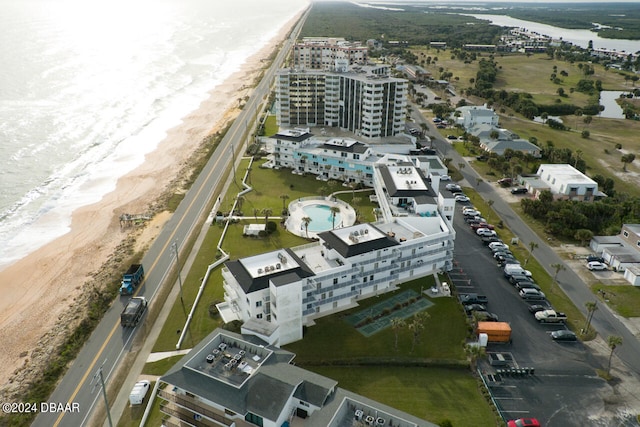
column 131, row 279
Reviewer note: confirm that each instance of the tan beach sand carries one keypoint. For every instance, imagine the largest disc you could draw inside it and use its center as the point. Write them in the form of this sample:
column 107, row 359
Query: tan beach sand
column 39, row 291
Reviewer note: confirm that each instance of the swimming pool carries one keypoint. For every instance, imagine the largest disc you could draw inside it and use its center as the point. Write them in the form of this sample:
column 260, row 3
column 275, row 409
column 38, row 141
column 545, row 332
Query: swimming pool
column 321, row 217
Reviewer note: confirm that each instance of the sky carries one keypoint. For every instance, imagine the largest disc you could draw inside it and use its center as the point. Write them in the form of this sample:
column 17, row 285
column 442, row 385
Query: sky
column 498, row 1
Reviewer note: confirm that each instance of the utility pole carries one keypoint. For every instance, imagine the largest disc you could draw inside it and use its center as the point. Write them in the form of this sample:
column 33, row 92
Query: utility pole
column 99, row 377
column 174, row 246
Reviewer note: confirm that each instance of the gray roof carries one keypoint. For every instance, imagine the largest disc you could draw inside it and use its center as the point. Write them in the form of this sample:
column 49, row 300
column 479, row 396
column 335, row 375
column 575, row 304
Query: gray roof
column 634, row 228
column 607, row 240
column 357, row 147
column 348, row 250
column 279, row 277
column 498, row 146
column 267, row 391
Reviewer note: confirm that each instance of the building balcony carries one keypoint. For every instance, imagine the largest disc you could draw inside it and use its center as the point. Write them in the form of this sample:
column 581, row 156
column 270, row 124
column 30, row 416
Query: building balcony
column 193, row 412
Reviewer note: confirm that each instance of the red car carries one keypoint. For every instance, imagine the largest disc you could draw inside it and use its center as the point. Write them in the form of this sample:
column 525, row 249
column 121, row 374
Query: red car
column 482, row 225
column 524, row 422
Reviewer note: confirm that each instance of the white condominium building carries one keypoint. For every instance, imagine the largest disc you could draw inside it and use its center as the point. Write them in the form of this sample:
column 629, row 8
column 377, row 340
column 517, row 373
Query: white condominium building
column 363, row 100
column 320, row 53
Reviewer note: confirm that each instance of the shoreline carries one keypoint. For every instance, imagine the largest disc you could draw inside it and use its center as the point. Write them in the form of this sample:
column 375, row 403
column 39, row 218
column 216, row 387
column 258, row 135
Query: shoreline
column 52, row 282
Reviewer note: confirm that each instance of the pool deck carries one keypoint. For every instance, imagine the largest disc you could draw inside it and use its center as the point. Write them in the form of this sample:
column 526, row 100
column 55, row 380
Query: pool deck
column 294, row 222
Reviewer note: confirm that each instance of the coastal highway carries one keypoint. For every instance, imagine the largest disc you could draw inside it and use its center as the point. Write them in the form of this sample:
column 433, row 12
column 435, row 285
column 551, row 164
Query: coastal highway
column 75, row 397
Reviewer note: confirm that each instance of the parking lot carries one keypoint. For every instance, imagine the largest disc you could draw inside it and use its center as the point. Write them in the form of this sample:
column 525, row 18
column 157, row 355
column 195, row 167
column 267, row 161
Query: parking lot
column 560, row 369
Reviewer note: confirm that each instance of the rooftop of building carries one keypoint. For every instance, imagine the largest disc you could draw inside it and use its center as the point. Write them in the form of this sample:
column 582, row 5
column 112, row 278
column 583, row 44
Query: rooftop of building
column 267, row 388
column 357, row 240
column 296, row 134
column 346, row 145
column 634, row 228
column 405, row 181
column 565, row 173
column 280, row 267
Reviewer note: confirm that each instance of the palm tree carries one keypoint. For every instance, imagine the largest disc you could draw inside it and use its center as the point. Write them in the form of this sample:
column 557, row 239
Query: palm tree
column 256, row 211
column 557, row 269
column 417, row 326
column 306, row 220
column 266, row 212
column 239, row 202
column 396, row 324
column 473, row 353
column 334, row 211
column 284, row 198
column 613, row 342
column 592, row 306
column 532, row 246
column 490, row 203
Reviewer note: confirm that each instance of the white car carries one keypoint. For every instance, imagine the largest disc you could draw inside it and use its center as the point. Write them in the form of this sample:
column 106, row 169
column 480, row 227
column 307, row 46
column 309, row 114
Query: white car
column 596, row 266
column 496, row 246
column 461, row 198
column 445, row 178
column 485, row 232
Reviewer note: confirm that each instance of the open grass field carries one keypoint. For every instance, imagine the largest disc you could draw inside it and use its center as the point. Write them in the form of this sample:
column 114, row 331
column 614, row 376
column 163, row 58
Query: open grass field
column 624, row 299
column 437, row 394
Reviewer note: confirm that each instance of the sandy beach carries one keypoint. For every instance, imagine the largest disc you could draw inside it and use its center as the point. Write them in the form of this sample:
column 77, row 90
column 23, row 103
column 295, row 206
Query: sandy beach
column 42, row 291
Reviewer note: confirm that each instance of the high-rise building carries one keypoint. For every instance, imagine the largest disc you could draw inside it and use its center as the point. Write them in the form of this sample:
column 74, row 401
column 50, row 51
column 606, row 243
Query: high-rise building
column 363, row 100
column 320, row 53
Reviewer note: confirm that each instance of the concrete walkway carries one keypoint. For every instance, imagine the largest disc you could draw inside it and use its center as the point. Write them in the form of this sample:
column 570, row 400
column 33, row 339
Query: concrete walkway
column 154, row 357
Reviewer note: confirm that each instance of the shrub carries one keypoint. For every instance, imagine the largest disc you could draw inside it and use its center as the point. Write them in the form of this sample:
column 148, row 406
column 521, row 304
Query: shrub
column 271, row 227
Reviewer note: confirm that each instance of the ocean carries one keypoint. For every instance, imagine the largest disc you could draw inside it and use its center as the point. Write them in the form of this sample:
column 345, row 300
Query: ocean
column 88, row 88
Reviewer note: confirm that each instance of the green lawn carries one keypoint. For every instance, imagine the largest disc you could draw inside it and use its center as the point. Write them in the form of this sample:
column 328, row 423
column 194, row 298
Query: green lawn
column 624, row 299
column 436, row 394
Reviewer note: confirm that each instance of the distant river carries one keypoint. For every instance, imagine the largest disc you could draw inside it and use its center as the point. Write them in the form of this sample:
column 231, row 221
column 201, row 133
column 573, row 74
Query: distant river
column 578, row 37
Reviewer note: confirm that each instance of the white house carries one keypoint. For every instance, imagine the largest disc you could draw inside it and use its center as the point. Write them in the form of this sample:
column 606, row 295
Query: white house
column 471, row 116
column 566, row 182
column 237, row 380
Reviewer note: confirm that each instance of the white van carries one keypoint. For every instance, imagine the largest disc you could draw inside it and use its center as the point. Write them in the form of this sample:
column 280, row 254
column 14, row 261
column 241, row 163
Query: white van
column 138, row 392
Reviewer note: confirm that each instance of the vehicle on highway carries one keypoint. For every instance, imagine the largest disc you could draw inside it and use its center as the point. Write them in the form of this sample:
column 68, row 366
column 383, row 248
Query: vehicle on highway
column 596, row 266
column 534, row 308
column 519, row 190
column 485, row 232
column 564, row 335
column 531, row 294
column 469, row 308
column 524, row 422
column 461, row 198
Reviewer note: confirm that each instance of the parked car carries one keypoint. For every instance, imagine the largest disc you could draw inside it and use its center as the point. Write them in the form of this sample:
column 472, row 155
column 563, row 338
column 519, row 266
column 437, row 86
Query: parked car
column 527, row 285
column 485, row 316
column 461, row 198
column 596, row 266
column 564, row 335
column 469, row 308
column 523, row 422
column 595, row 258
column 534, row 308
column 505, row 182
column 452, row 137
column 504, row 258
column 498, row 245
column 445, row 178
column 485, row 232
column 454, row 188
column 473, row 299
column 491, row 239
column 531, row 294
column 466, row 209
column 482, row 158
column 471, row 213
column 519, row 190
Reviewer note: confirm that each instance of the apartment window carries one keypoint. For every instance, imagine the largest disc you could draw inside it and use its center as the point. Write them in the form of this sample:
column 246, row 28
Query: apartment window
column 323, row 296
column 335, row 281
column 625, row 233
column 258, row 303
column 259, row 316
column 356, row 156
column 343, row 154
